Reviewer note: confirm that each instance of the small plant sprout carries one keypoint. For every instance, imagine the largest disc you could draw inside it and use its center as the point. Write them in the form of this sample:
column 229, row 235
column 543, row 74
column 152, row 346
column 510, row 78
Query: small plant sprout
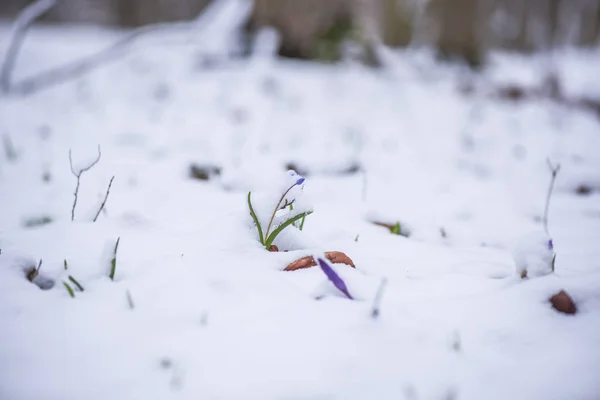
column 334, row 277
column 77, row 284
column 267, row 237
column 34, row 272
column 69, row 289
column 113, row 261
column 534, row 253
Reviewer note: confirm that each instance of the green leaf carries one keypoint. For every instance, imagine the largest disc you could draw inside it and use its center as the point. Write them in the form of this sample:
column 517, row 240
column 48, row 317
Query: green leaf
column 302, row 222
column 76, row 283
column 65, row 264
column 284, row 225
column 255, row 218
column 113, row 262
column 553, row 260
column 69, row 289
column 396, row 229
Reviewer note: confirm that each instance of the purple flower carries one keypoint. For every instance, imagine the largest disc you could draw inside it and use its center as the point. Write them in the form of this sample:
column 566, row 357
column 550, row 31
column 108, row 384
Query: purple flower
column 550, row 244
column 334, row 278
column 300, row 181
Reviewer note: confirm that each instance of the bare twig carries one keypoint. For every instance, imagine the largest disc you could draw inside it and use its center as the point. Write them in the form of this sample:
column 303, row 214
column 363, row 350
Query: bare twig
column 377, row 300
column 20, row 27
column 554, row 170
column 9, row 148
column 77, row 175
column 105, row 198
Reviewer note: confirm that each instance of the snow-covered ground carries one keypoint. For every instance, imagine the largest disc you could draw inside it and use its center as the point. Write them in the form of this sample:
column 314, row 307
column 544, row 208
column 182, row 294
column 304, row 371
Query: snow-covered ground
column 199, row 310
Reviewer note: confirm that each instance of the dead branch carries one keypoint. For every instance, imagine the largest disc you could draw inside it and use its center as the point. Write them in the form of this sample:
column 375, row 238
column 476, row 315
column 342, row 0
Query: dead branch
column 78, row 176
column 105, row 198
column 20, row 27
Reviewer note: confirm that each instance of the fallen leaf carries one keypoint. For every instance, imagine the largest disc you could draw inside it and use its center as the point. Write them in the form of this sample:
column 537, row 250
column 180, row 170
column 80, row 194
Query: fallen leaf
column 336, row 257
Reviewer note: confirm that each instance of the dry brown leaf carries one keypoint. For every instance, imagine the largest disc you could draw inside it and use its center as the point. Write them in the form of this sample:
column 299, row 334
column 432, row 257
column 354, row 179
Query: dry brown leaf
column 336, row 257
column 563, row 303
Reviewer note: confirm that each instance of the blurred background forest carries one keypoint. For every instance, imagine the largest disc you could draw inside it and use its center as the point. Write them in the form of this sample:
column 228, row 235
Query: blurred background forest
column 315, row 29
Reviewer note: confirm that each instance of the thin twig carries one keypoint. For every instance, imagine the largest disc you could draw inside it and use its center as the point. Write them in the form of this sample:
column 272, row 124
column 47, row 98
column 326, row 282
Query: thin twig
column 24, row 20
column 377, row 299
column 78, row 176
column 9, row 148
column 130, row 302
column 554, row 170
column 105, row 198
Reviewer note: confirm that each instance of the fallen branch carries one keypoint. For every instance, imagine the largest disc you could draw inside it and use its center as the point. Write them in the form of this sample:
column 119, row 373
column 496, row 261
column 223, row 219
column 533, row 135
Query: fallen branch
column 105, row 198
column 78, row 176
column 24, row 20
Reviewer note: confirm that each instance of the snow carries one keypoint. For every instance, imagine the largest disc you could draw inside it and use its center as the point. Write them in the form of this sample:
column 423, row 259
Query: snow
column 214, row 315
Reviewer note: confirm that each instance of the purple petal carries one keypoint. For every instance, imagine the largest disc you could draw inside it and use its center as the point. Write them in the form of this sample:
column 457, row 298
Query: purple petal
column 300, row 181
column 550, row 244
column 334, row 278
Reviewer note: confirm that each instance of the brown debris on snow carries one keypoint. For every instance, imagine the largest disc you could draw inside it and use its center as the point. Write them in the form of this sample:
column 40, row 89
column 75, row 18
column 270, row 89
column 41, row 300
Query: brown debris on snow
column 563, row 303
column 336, row 257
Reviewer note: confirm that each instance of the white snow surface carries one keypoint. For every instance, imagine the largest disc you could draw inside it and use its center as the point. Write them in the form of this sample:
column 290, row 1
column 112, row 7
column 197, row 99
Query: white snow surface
column 214, row 316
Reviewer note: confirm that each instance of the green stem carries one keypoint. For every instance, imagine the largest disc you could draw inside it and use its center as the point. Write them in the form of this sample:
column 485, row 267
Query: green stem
column 275, row 210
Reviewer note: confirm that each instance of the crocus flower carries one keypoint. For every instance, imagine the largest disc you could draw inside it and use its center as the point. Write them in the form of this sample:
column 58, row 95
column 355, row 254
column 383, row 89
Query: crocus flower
column 334, row 278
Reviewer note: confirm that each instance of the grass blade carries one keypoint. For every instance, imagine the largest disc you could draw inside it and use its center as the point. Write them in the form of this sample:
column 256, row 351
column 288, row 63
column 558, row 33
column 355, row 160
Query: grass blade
column 76, row 283
column 255, row 218
column 284, row 225
column 69, row 289
column 113, row 262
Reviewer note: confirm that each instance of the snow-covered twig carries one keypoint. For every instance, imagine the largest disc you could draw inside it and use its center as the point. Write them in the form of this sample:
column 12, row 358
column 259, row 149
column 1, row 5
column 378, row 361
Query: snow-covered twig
column 78, row 176
column 25, row 18
column 554, row 170
column 105, row 198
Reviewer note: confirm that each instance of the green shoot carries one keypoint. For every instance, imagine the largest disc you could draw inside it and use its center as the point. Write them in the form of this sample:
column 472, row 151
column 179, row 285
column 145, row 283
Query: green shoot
column 396, row 229
column 113, row 262
column 255, row 218
column 284, row 225
column 301, row 226
column 69, row 289
column 76, row 283
column 65, row 264
column 356, row 237
column 302, row 221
